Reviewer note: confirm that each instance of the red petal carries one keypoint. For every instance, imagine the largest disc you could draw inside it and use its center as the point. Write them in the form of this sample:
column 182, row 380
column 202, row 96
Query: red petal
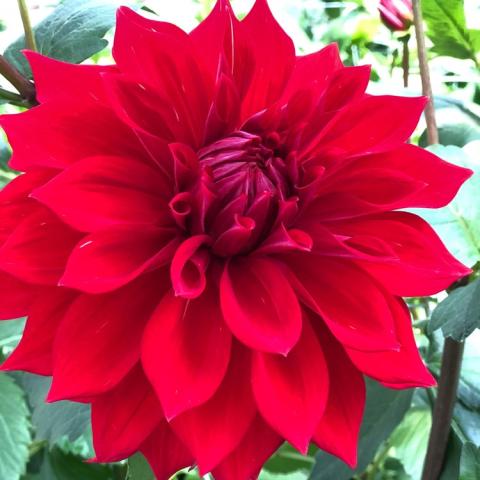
column 124, row 418
column 441, row 179
column 314, row 71
column 338, row 430
column 109, row 259
column 403, row 368
column 98, row 340
column 186, row 350
column 216, row 428
column 15, row 297
column 35, row 350
column 347, row 298
column 422, row 265
column 246, row 461
column 38, row 249
column 76, row 134
column 165, row 452
column 260, row 306
column 291, row 392
column 188, row 267
column 273, row 55
column 98, row 192
column 77, row 80
column 353, row 132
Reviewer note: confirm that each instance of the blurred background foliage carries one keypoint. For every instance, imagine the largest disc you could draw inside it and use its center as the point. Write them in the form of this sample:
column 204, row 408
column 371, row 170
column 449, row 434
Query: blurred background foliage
column 41, row 441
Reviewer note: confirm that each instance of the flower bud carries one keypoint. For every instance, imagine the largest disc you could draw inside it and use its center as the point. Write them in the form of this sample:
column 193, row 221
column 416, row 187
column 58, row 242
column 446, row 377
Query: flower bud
column 397, row 15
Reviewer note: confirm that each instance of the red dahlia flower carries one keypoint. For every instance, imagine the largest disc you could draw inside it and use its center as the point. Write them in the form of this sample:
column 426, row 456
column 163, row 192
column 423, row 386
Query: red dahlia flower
column 397, row 15
column 207, row 242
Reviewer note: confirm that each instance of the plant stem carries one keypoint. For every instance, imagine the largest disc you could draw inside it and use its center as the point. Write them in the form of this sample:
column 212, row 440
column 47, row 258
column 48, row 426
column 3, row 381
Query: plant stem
column 23, row 85
column 405, row 59
column 432, row 131
column 443, row 410
column 27, row 27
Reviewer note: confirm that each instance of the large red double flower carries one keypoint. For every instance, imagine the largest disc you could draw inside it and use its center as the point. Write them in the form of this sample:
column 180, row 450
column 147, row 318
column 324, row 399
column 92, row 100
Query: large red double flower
column 207, row 244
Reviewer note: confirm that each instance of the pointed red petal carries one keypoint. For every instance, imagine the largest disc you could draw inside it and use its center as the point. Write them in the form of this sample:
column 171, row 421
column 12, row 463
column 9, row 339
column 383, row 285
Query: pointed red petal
column 214, row 429
column 124, row 418
column 15, row 297
column 260, row 306
column 248, row 458
column 338, row 430
column 291, row 392
column 186, row 350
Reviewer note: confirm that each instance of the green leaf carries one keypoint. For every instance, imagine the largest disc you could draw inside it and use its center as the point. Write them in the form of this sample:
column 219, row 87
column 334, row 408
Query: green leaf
column 58, row 465
column 14, row 430
column 72, row 33
column 286, row 460
column 470, row 462
column 52, row 421
column 11, row 332
column 451, row 464
column 459, row 314
column 447, row 29
column 139, row 469
column 384, row 410
column 458, row 224
column 410, row 440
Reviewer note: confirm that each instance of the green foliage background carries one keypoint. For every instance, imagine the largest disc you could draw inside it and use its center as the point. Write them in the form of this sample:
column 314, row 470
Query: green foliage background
column 51, row 442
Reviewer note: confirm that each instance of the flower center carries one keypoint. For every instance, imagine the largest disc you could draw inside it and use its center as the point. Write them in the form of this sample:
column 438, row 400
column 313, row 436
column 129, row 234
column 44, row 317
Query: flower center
column 244, row 163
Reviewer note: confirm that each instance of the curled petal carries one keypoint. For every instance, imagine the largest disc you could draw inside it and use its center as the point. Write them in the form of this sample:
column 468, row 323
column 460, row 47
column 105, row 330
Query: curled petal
column 283, row 240
column 188, row 267
column 186, row 351
column 291, row 392
column 260, row 306
column 236, row 238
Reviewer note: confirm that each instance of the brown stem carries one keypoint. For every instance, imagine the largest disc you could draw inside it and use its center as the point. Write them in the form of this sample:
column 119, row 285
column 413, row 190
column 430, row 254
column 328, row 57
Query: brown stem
column 432, row 131
column 27, row 27
column 23, row 85
column 405, row 59
column 443, row 410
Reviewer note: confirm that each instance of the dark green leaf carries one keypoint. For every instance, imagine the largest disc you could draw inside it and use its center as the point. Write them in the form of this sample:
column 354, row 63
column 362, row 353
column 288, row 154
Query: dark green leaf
column 459, row 314
column 53, row 420
column 470, row 462
column 14, row 430
column 385, row 409
column 447, row 29
column 458, row 224
column 139, row 469
column 72, row 33
column 58, row 465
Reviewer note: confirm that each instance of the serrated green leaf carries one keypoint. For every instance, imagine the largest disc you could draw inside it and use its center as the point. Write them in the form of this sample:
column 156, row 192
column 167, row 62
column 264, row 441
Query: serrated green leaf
column 447, row 29
column 58, row 465
column 52, row 421
column 14, row 429
column 458, row 224
column 384, row 410
column 470, row 462
column 139, row 469
column 72, row 33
